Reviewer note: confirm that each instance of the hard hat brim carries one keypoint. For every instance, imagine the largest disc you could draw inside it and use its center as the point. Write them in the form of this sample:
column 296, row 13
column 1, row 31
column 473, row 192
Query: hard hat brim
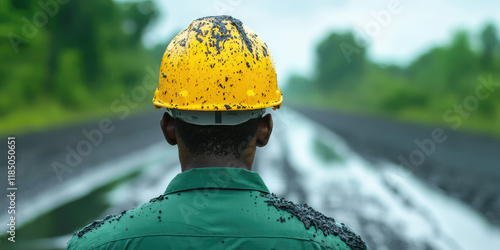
column 215, row 117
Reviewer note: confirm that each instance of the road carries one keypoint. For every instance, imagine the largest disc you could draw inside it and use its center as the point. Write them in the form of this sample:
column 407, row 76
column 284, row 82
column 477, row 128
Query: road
column 466, row 165
column 463, row 167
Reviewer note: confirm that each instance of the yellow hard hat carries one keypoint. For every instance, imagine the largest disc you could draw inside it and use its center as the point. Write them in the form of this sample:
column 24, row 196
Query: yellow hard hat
column 217, row 64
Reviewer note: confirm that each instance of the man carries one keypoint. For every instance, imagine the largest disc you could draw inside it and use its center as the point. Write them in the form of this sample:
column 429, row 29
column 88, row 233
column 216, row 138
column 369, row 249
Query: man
column 217, row 78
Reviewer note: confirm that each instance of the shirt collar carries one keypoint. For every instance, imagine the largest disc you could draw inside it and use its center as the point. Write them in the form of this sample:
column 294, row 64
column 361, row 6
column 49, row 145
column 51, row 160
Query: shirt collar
column 223, row 178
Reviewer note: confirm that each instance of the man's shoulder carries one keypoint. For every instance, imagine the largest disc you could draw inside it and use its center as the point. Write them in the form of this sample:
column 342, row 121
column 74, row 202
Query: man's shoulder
column 326, row 229
column 128, row 224
column 254, row 216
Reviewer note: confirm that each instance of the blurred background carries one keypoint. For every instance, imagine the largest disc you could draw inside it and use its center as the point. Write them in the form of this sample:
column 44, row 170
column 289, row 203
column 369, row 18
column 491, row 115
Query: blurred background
column 390, row 123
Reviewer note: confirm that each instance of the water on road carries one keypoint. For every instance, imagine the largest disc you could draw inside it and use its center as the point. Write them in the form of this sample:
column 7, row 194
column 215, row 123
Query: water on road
column 303, row 162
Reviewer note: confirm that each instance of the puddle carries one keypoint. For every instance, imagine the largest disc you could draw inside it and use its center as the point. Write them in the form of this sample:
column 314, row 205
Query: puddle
column 68, row 218
column 324, row 152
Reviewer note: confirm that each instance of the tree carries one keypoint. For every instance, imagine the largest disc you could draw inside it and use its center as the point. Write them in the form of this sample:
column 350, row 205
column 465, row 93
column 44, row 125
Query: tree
column 489, row 42
column 338, row 58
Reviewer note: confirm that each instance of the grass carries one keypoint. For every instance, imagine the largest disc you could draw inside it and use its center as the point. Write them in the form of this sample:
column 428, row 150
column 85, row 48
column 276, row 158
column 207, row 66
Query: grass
column 51, row 115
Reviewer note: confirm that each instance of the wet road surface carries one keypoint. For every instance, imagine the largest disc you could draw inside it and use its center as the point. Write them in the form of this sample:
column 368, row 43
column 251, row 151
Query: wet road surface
column 466, row 165
column 306, row 167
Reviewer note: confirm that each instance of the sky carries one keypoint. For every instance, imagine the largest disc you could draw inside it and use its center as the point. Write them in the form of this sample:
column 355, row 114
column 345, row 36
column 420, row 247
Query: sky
column 394, row 31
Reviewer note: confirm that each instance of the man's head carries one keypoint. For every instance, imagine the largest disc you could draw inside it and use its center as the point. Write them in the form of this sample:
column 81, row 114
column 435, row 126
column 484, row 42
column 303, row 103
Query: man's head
column 217, row 77
column 217, row 145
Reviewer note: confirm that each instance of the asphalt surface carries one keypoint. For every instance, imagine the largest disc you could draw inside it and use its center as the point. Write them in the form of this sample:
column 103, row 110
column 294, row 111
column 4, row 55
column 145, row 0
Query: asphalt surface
column 465, row 165
column 36, row 153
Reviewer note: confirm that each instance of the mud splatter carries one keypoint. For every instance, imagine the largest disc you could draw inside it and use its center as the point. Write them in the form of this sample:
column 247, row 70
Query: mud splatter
column 266, row 54
column 224, row 33
column 183, row 42
column 159, row 198
column 310, row 217
column 94, row 225
column 282, row 220
column 98, row 223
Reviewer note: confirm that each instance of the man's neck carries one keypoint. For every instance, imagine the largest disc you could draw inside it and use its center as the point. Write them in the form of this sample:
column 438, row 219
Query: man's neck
column 208, row 161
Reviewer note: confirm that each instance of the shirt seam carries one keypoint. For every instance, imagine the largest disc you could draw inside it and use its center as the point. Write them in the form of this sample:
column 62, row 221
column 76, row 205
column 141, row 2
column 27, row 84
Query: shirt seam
column 239, row 189
column 220, row 236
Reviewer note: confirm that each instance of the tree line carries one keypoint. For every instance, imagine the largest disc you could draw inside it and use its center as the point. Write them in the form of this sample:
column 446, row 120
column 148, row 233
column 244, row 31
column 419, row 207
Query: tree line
column 457, row 84
column 67, row 56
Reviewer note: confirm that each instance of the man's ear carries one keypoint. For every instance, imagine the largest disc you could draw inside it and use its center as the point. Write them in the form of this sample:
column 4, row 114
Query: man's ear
column 168, row 128
column 264, row 131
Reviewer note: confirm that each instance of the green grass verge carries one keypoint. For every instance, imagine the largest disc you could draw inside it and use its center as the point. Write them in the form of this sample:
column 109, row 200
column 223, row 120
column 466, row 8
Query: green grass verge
column 53, row 115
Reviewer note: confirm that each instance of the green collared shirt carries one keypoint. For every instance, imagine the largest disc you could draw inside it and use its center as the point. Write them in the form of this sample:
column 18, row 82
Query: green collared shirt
column 206, row 208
